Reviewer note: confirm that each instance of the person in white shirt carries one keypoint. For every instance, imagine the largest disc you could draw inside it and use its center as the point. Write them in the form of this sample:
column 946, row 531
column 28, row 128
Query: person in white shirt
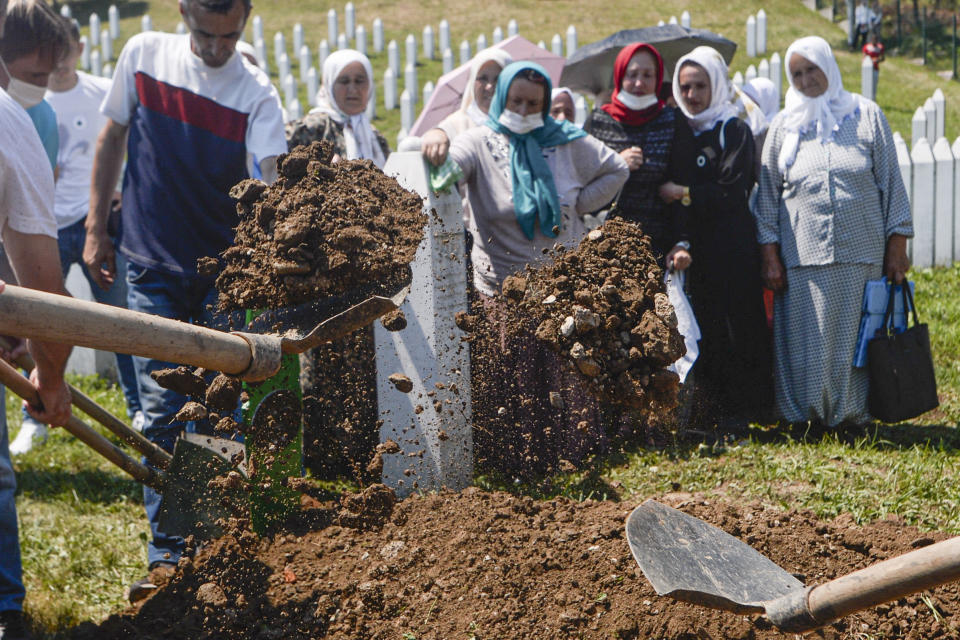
column 862, row 18
column 28, row 230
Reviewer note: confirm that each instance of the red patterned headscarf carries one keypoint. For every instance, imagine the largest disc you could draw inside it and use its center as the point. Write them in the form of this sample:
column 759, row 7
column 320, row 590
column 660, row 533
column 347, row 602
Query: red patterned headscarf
column 616, row 108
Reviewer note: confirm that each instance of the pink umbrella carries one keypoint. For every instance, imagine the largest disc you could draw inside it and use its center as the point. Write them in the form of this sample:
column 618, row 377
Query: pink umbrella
column 448, row 93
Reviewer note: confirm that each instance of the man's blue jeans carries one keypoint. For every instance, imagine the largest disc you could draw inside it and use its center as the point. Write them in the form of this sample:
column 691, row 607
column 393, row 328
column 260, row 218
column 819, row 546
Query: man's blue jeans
column 11, row 571
column 71, row 239
column 188, row 299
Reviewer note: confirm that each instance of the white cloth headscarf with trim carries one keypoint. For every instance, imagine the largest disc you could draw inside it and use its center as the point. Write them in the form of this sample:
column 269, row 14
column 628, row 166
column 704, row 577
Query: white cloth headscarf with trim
column 825, row 112
column 468, row 104
column 357, row 131
column 763, row 91
column 723, row 98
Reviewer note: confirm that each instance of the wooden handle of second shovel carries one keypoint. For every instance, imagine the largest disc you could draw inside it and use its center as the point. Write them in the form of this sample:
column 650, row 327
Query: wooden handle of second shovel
column 157, row 456
column 885, row 581
column 12, row 379
column 52, row 318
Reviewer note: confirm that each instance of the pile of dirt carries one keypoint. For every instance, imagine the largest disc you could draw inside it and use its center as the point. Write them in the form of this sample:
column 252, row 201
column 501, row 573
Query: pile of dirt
column 321, row 230
column 604, row 308
column 494, row 566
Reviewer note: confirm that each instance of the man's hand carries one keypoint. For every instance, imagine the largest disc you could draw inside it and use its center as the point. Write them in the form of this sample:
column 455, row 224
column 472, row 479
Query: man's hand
column 100, row 258
column 434, row 146
column 678, row 259
column 896, row 263
column 55, row 396
column 670, row 192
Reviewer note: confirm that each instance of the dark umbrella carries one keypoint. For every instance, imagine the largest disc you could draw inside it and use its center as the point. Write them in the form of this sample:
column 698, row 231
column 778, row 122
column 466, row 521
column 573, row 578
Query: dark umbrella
column 590, row 69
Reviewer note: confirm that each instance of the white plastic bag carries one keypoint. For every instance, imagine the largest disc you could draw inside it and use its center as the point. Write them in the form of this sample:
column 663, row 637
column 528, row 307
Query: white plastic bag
column 686, row 324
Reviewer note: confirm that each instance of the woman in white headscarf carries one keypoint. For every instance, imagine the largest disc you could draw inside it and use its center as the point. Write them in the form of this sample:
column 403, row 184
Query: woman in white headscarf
column 832, row 213
column 485, row 68
column 732, row 372
column 340, row 116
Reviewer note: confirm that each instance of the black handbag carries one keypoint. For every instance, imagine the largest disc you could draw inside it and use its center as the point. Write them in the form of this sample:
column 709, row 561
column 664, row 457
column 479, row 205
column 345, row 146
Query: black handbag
column 902, row 382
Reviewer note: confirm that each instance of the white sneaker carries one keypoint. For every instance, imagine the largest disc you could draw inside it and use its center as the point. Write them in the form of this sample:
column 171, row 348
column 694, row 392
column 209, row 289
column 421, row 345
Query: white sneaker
column 138, row 421
column 31, row 433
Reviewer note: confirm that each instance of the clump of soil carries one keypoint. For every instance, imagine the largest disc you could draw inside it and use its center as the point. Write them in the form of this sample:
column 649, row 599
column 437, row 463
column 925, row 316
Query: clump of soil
column 183, row 380
column 493, row 565
column 604, row 307
column 321, row 230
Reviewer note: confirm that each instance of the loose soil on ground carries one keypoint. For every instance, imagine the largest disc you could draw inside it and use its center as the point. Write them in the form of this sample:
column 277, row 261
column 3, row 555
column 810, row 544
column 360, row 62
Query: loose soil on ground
column 481, row 565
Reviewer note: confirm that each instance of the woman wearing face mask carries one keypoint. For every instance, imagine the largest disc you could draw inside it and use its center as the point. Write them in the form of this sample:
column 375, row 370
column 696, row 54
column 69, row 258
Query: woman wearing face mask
column 484, row 70
column 832, row 213
column 340, row 116
column 341, row 376
column 529, row 180
column 643, row 130
column 732, row 372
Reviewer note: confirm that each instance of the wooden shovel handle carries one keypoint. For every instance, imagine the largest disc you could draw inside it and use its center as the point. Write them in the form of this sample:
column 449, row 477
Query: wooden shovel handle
column 48, row 317
column 157, row 456
column 885, row 581
column 12, row 379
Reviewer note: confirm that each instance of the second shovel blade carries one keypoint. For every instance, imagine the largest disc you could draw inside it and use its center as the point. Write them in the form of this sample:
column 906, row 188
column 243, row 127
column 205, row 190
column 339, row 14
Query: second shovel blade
column 195, row 496
column 687, row 559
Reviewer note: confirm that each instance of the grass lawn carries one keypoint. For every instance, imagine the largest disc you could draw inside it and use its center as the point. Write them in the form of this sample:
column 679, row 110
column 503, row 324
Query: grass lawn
column 903, row 86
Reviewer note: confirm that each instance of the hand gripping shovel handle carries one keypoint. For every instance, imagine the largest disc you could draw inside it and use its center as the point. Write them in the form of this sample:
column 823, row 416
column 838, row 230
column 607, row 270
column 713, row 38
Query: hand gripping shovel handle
column 889, row 580
column 142, row 474
column 52, row 318
column 88, row 405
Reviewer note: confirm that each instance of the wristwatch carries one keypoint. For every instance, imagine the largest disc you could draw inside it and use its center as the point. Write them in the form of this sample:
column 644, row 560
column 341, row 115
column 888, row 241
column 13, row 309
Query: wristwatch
column 685, row 200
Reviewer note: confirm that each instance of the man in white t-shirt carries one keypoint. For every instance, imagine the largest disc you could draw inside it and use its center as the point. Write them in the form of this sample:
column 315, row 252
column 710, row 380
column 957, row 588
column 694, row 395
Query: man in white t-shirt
column 29, row 233
column 188, row 109
column 75, row 97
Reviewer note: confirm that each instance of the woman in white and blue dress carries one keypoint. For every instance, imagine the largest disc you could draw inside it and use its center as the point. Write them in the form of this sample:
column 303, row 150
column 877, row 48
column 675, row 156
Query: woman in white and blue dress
column 832, row 213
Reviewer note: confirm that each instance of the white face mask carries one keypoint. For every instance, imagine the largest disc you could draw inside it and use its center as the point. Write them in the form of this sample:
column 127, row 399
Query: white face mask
column 636, row 103
column 519, row 124
column 27, row 95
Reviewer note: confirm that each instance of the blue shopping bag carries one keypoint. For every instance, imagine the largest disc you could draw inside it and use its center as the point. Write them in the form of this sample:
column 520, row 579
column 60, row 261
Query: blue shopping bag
column 875, row 296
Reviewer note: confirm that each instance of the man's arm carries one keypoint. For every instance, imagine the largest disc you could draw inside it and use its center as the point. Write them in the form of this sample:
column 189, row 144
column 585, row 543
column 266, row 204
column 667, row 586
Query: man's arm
column 98, row 252
column 35, row 260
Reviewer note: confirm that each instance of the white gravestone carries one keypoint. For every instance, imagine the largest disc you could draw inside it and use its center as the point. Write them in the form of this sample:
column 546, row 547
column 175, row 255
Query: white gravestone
column 85, row 56
column 283, row 66
column 738, row 80
column 181, row 28
column 497, row 35
column 360, row 38
column 939, row 104
column 571, row 40
column 279, row 47
column 323, row 52
column 447, row 60
column 427, row 92
column 108, row 71
column 258, row 28
column 481, row 42
column 146, row 23
column 313, row 85
column 433, row 431
column 297, row 36
column 96, row 63
column 763, row 69
column 410, row 84
column 444, row 35
column 428, row 42
column 406, row 109
column 512, row 28
column 906, row 174
column 930, row 113
column 350, row 21
column 750, row 74
column 761, row 32
column 867, row 90
column 332, row 27
column 411, row 49
column 389, row 89
column 342, row 42
column 672, row 20
column 113, row 19
column 776, row 72
column 956, row 190
column 943, row 204
column 304, row 62
column 261, row 51
column 923, row 203
column 66, row 12
column 372, row 102
column 685, row 19
column 556, row 45
column 94, row 30
column 918, row 126
column 751, row 37
column 377, row 35
column 106, row 44
column 294, row 112
column 464, row 52
column 393, row 56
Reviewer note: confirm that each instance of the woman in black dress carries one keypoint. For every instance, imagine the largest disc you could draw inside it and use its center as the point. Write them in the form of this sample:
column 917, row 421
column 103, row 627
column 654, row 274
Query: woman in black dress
column 733, row 372
column 639, row 126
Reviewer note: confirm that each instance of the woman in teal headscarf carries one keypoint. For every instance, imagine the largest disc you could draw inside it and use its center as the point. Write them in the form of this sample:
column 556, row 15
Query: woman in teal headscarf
column 529, row 180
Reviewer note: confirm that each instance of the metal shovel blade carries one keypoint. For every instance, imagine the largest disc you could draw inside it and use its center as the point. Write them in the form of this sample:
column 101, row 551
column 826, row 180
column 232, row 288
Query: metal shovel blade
column 687, row 559
column 191, row 503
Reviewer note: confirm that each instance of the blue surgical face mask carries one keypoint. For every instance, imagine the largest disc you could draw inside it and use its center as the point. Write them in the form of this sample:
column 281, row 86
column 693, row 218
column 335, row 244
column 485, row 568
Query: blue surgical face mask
column 519, row 124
